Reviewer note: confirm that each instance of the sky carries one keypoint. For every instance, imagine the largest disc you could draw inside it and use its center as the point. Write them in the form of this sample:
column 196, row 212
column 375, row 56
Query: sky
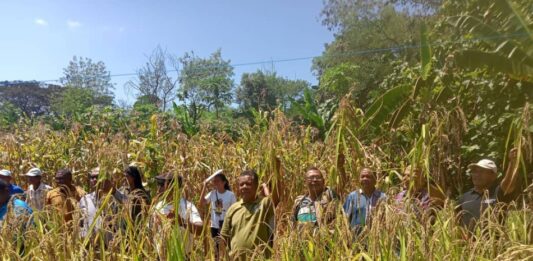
column 39, row 38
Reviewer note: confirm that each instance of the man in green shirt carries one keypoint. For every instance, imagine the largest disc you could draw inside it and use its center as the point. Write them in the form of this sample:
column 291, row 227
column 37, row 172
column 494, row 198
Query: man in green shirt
column 249, row 223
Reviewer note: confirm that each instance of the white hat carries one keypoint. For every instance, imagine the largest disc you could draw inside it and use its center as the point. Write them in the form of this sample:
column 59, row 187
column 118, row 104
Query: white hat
column 34, row 172
column 485, row 164
column 5, row 173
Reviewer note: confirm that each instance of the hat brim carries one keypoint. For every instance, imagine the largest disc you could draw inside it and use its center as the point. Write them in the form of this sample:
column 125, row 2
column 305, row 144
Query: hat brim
column 475, row 165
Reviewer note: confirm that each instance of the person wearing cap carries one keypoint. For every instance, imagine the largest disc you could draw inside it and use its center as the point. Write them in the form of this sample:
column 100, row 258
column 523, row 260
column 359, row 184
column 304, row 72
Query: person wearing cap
column 94, row 214
column 6, row 176
column 36, row 193
column 65, row 197
column 487, row 191
column 188, row 218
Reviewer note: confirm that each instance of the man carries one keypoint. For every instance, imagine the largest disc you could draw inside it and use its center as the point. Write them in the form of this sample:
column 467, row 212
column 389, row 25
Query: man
column 36, row 193
column 107, row 222
column 5, row 175
column 165, row 214
column 360, row 204
column 419, row 194
column 487, row 192
column 65, row 196
column 15, row 215
column 249, row 223
column 318, row 206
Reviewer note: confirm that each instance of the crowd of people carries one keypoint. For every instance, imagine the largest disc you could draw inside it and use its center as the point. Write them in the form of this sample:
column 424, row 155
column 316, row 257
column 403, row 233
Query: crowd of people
column 237, row 226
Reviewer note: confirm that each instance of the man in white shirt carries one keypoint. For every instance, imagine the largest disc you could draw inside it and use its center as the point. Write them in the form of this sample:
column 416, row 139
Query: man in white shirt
column 189, row 219
column 36, row 193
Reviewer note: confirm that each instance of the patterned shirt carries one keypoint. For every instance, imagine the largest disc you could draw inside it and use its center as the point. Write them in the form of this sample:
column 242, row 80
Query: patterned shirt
column 321, row 211
column 36, row 197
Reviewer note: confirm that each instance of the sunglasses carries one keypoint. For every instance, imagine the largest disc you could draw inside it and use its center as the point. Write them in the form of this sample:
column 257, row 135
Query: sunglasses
column 93, row 176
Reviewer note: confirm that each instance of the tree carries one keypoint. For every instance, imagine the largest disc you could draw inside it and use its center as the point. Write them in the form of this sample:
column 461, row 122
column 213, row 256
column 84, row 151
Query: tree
column 205, row 82
column 73, row 100
column 31, row 98
column 266, row 91
column 84, row 73
column 154, row 79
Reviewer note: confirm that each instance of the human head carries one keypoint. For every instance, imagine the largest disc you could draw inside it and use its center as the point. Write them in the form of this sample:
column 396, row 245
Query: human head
column 165, row 182
column 367, row 179
column 248, row 183
column 5, row 175
column 134, row 177
column 4, row 191
column 93, row 177
column 412, row 176
column 314, row 181
column 484, row 174
column 220, row 183
column 64, row 177
column 34, row 177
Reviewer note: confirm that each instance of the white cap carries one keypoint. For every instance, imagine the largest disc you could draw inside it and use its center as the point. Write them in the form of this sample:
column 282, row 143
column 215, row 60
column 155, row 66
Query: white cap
column 5, row 173
column 485, row 164
column 34, row 172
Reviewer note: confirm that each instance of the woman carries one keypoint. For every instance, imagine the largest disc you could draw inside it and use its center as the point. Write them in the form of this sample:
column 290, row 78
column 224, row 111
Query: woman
column 220, row 199
column 138, row 196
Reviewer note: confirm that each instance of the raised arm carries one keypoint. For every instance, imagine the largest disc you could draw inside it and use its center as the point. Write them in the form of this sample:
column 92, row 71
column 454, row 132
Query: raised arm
column 202, row 204
column 343, row 178
column 510, row 182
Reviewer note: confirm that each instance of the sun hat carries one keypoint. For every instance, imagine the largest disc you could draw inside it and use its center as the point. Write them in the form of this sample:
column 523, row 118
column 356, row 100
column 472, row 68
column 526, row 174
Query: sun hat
column 5, row 173
column 34, row 172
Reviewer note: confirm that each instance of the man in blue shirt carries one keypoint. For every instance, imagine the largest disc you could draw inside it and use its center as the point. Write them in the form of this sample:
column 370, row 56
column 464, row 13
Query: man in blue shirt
column 5, row 175
column 15, row 216
column 360, row 204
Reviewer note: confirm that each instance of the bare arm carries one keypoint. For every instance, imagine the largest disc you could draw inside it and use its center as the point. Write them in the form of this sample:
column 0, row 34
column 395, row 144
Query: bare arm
column 277, row 188
column 341, row 160
column 510, row 180
column 202, row 204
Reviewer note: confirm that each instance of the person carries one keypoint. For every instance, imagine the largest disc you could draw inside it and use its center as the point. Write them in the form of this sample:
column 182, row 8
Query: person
column 249, row 223
column 318, row 206
column 6, row 176
column 220, row 199
column 188, row 217
column 361, row 203
column 487, row 191
column 15, row 215
column 138, row 198
column 96, row 218
column 36, row 193
column 65, row 197
column 418, row 194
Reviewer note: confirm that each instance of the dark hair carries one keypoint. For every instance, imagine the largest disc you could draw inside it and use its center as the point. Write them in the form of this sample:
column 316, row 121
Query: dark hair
column 64, row 172
column 3, row 185
column 225, row 180
column 134, row 172
column 251, row 173
column 180, row 181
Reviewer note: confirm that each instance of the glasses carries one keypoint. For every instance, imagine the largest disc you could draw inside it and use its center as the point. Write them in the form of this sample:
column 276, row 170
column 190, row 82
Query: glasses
column 93, row 176
column 314, row 178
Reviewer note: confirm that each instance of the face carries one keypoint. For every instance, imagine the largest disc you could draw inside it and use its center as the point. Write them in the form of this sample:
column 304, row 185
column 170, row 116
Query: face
column 4, row 195
column 314, row 181
column 63, row 179
column 367, row 179
column 130, row 181
column 482, row 178
column 218, row 183
column 93, row 180
column 35, row 181
column 6, row 179
column 247, row 188
column 413, row 177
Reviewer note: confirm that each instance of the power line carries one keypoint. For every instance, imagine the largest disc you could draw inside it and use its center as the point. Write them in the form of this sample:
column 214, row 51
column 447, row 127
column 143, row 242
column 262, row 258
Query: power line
column 353, row 53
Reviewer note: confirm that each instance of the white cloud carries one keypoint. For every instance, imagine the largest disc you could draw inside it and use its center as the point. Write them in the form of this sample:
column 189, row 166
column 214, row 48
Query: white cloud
column 41, row 22
column 72, row 24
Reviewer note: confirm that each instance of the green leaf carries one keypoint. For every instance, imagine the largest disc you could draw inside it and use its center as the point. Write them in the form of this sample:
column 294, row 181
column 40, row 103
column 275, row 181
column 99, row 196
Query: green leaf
column 425, row 52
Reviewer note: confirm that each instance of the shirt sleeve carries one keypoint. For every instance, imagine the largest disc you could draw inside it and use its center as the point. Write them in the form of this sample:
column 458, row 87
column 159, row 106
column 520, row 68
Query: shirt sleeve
column 194, row 215
column 225, row 231
column 347, row 204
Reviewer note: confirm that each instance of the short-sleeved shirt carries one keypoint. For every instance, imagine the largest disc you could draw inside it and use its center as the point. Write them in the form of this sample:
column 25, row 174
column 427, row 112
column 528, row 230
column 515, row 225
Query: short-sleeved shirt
column 220, row 203
column 18, row 209
column 320, row 211
column 36, row 197
column 472, row 204
column 248, row 226
column 65, row 203
column 358, row 207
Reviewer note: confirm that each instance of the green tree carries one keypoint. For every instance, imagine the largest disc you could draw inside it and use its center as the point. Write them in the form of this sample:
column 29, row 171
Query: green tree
column 84, row 73
column 205, row 82
column 30, row 97
column 73, row 100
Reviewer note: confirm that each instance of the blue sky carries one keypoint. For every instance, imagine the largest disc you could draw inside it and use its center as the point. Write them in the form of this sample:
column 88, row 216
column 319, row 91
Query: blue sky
column 40, row 37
